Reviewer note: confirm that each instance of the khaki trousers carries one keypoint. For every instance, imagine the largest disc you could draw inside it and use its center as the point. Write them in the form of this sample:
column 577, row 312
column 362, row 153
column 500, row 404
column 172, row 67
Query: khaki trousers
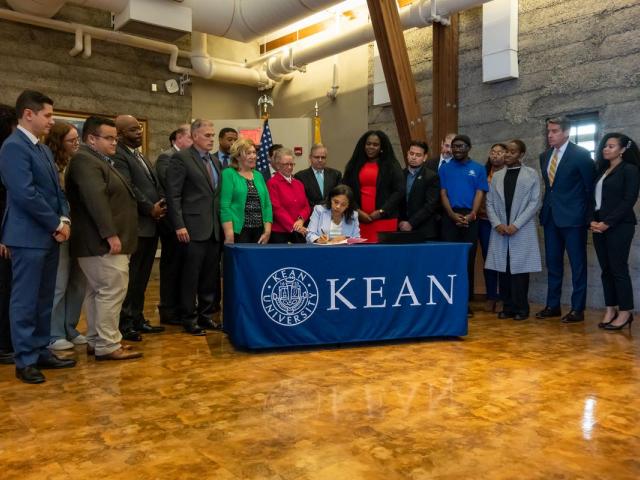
column 107, row 280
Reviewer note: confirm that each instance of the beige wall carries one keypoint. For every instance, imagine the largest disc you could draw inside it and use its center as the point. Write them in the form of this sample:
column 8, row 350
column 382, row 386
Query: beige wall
column 343, row 120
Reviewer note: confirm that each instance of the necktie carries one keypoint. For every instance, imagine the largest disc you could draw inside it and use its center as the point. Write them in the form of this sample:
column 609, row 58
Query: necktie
column 210, row 170
column 553, row 166
column 140, row 159
column 442, row 162
column 320, row 179
column 225, row 160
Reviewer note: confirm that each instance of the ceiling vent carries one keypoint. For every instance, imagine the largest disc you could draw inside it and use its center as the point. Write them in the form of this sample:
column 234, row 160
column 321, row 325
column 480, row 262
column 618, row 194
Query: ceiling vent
column 153, row 19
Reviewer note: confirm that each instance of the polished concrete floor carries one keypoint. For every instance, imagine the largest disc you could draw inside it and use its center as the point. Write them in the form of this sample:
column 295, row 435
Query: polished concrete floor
column 513, row 400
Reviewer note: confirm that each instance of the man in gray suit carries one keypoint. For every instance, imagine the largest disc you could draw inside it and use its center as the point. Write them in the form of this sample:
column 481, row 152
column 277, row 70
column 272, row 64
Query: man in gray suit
column 105, row 222
column 170, row 258
column 151, row 208
column 193, row 191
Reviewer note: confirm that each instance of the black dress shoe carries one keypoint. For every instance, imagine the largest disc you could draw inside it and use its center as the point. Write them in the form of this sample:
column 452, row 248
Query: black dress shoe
column 52, row 361
column 209, row 325
column 30, row 374
column 548, row 312
column 194, row 329
column 131, row 335
column 148, row 328
column 573, row 316
column 521, row 316
column 502, row 315
column 604, row 324
column 611, row 326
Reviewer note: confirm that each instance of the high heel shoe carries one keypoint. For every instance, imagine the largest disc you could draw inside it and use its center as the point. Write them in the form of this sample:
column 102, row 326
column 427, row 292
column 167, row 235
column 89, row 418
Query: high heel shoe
column 620, row 327
column 604, row 324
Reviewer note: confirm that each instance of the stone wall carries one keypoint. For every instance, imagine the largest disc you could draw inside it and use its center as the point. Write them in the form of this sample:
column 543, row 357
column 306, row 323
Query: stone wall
column 115, row 80
column 575, row 56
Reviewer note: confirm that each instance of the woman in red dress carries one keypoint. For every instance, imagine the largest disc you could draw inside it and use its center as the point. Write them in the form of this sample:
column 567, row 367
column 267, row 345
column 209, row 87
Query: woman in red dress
column 375, row 176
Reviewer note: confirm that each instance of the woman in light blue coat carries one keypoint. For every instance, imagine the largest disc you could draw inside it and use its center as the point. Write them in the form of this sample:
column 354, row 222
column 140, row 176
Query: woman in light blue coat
column 336, row 220
column 512, row 202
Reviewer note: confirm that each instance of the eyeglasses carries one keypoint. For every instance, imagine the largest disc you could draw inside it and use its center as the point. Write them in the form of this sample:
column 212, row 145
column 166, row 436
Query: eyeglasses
column 288, row 164
column 73, row 141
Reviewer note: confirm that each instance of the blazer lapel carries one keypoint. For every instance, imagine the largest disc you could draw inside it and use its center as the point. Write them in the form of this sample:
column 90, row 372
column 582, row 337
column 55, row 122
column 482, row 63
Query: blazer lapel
column 195, row 155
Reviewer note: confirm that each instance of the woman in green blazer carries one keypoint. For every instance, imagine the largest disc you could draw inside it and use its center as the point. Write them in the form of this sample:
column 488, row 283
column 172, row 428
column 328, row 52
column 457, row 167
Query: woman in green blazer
column 245, row 208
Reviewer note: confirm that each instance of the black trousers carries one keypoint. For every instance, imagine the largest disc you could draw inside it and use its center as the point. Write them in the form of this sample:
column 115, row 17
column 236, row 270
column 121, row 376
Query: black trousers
column 612, row 248
column 140, row 265
column 514, row 289
column 5, row 296
column 199, row 281
column 249, row 235
column 281, row 237
column 171, row 260
column 453, row 233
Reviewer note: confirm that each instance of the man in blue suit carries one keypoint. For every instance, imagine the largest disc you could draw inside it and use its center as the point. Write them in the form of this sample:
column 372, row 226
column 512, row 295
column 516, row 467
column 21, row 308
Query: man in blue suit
column 568, row 173
column 35, row 222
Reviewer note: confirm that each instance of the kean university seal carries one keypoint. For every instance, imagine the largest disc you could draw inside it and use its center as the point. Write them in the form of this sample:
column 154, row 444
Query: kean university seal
column 289, row 296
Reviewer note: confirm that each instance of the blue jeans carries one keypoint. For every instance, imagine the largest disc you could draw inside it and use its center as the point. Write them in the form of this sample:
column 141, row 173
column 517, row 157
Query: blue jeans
column 68, row 297
column 490, row 276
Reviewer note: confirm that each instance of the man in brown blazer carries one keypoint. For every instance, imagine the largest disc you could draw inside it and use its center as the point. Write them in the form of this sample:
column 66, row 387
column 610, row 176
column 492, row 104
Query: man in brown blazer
column 105, row 216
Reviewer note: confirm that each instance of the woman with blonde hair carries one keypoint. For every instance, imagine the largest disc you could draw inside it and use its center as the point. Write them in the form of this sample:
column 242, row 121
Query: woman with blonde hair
column 245, row 207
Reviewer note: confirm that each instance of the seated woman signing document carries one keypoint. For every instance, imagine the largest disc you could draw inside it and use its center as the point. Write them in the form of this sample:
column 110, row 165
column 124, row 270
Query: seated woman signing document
column 336, row 221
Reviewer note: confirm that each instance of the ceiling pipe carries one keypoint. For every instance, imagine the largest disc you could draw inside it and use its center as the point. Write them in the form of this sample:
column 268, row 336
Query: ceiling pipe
column 242, row 20
column 419, row 14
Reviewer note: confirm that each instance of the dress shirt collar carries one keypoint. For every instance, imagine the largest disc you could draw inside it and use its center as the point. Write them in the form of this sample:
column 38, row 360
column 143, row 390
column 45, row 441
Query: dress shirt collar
column 413, row 171
column 318, row 172
column 562, row 149
column 202, row 153
column 29, row 135
column 288, row 179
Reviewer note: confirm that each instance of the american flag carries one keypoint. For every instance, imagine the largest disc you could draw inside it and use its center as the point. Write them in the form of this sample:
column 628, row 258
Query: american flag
column 262, row 163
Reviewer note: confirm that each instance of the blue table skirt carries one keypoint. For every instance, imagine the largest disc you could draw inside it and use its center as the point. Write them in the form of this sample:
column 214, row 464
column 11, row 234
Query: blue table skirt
column 299, row 295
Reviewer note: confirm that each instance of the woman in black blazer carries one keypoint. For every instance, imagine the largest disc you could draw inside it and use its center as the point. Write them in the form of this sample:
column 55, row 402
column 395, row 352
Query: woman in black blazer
column 377, row 181
column 613, row 225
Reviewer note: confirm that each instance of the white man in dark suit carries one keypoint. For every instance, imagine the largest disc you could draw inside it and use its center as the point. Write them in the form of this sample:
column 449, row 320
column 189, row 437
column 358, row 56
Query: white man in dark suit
column 141, row 175
column 446, row 154
column 318, row 179
column 193, row 191
column 170, row 258
column 227, row 137
column 36, row 221
column 568, row 173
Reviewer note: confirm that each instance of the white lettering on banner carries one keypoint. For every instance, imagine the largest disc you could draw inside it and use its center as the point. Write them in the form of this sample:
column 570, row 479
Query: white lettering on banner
column 434, row 281
column 336, row 294
column 289, row 296
column 410, row 293
column 370, row 292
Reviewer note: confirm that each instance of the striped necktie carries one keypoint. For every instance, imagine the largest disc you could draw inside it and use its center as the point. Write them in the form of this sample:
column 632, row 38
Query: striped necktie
column 553, row 166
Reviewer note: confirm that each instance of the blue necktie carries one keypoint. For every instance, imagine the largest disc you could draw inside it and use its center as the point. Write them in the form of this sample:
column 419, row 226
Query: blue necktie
column 320, row 179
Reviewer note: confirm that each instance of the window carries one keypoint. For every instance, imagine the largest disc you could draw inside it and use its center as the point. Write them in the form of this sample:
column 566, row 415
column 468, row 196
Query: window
column 585, row 131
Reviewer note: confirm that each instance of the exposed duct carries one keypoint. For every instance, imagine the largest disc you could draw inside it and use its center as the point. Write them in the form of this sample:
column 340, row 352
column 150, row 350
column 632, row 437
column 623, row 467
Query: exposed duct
column 261, row 72
column 419, row 14
column 242, row 20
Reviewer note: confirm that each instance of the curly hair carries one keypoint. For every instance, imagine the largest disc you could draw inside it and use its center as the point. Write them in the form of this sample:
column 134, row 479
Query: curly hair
column 55, row 141
column 240, row 146
column 359, row 158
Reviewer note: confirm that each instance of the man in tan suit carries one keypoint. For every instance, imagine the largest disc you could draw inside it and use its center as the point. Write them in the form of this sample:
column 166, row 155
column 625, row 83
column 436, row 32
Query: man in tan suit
column 105, row 215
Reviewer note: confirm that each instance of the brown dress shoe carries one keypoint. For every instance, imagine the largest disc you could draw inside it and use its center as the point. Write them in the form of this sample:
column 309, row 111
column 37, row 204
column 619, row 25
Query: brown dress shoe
column 120, row 354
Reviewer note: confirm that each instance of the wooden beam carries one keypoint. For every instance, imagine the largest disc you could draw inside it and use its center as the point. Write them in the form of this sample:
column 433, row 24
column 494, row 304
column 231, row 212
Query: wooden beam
column 445, row 81
column 397, row 71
